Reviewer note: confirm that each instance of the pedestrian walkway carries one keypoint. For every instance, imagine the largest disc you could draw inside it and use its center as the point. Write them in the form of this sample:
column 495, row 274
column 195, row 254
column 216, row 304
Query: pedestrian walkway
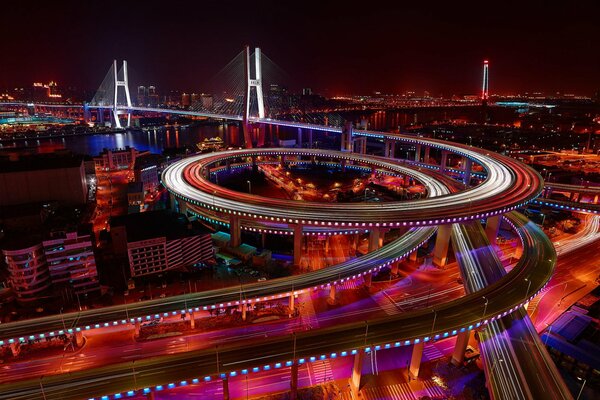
column 320, row 371
column 400, row 391
column 432, row 353
column 433, row 390
column 307, row 312
column 385, row 303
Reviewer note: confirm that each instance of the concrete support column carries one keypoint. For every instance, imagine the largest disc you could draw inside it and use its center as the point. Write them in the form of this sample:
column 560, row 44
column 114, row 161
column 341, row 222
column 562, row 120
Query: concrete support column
column 79, row 339
column 299, row 141
column 347, row 137
column 595, row 201
column 228, row 165
column 417, row 152
column 137, row 327
column 442, row 242
column 235, row 231
column 310, row 138
column 394, row 268
column 244, row 311
column 443, row 161
column 282, row 161
column 492, row 227
column 225, row 388
column 389, row 148
column 253, row 161
column 374, row 235
column 356, row 373
column 468, row 165
column 368, row 279
column 292, row 305
column 462, row 340
column 332, row 293
column 15, row 349
column 415, row 360
column 191, row 316
column 413, row 256
column 294, row 381
column 297, row 244
column 426, row 156
column 343, row 164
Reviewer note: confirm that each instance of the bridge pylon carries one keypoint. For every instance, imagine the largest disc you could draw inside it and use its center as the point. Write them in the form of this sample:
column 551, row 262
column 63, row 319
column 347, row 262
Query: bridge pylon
column 252, row 82
column 124, row 83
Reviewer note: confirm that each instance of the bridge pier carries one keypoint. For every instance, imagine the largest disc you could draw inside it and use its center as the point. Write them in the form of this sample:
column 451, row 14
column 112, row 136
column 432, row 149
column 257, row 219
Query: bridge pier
column 343, row 164
column 244, row 311
column 235, row 232
column 361, row 143
column 413, row 256
column 444, row 161
column 294, row 381
column 368, row 279
column 442, row 242
column 359, row 358
column 292, row 305
column 15, row 349
column 415, row 360
column 297, row 244
column 426, row 156
column 468, row 165
column 79, row 339
column 332, row 291
column 394, row 268
column 225, row 388
column 375, row 238
column 299, row 141
column 417, row 152
column 492, row 227
column 310, row 138
column 282, row 161
column 192, row 317
column 462, row 340
column 389, row 148
column 137, row 326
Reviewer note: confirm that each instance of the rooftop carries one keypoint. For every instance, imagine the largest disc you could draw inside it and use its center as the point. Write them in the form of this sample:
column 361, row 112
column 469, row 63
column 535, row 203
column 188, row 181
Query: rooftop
column 156, row 224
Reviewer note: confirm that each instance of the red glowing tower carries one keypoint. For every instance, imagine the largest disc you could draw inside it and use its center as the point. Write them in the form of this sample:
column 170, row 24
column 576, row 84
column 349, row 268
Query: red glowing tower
column 485, row 87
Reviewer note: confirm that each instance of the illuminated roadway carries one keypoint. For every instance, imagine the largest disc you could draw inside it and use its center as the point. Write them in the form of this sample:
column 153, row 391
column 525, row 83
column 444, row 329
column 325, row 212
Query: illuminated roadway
column 439, row 321
column 517, row 363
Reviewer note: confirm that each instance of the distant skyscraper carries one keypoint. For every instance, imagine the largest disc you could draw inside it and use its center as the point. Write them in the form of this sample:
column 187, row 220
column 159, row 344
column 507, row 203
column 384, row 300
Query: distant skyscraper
column 485, row 89
column 152, row 96
column 141, row 96
column 306, row 91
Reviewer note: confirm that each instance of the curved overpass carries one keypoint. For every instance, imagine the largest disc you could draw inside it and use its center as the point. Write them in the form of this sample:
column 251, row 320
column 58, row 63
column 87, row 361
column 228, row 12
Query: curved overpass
column 509, row 184
column 438, row 322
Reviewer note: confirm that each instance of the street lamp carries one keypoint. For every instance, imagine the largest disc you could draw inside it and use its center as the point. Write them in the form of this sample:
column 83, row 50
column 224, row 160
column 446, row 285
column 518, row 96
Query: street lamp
column 249, row 187
column 433, row 324
column 484, row 307
column 582, row 386
column 528, row 287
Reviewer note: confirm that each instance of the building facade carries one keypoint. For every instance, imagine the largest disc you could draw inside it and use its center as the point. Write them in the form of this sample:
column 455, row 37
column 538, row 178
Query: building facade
column 29, row 275
column 71, row 262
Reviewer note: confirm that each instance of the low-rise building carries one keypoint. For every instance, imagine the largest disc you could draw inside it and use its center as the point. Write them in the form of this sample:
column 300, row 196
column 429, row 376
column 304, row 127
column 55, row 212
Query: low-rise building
column 158, row 241
column 115, row 159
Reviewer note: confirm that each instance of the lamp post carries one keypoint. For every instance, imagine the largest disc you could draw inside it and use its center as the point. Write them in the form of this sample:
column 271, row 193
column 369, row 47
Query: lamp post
column 433, row 324
column 249, row 187
column 582, row 386
column 484, row 307
column 528, row 287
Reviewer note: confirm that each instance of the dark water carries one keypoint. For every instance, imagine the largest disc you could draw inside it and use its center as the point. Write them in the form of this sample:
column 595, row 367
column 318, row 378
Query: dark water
column 154, row 140
column 158, row 139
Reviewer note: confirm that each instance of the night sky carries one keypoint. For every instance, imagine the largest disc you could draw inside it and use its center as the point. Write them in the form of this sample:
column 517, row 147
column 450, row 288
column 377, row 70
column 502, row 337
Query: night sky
column 334, row 47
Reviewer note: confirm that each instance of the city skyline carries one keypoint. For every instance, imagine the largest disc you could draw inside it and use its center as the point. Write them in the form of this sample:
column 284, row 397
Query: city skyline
column 408, row 48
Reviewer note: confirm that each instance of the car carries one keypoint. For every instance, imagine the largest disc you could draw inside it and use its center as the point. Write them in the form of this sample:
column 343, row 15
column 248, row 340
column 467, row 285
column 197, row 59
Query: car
column 261, row 279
